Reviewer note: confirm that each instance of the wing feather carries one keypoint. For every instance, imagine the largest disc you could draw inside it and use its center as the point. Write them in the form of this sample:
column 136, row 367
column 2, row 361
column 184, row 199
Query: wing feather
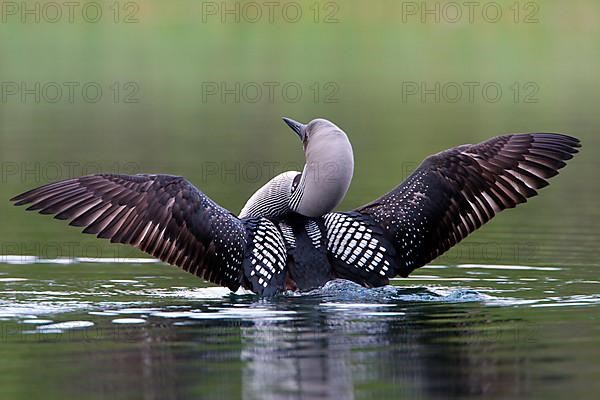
column 454, row 192
column 163, row 215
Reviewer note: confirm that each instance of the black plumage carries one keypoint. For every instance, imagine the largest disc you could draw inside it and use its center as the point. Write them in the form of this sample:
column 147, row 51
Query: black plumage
column 163, row 215
column 308, row 264
column 454, row 192
column 451, row 194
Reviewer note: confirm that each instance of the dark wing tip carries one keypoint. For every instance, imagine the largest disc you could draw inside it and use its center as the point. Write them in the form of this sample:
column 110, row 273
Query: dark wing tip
column 30, row 195
column 23, row 198
column 558, row 139
column 18, row 201
column 162, row 215
column 465, row 187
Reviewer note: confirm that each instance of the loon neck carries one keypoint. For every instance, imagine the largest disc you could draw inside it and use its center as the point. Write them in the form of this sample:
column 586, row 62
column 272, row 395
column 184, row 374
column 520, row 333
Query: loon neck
column 272, row 200
column 326, row 176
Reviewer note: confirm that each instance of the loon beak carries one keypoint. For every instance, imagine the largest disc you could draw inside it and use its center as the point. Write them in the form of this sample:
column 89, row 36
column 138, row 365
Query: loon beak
column 296, row 127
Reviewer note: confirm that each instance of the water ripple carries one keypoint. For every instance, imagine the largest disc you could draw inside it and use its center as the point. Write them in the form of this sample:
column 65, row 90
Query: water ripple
column 136, row 297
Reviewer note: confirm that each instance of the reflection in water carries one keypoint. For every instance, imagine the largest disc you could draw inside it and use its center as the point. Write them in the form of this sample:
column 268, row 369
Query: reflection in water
column 330, row 354
column 325, row 351
column 302, row 360
column 146, row 369
column 154, row 336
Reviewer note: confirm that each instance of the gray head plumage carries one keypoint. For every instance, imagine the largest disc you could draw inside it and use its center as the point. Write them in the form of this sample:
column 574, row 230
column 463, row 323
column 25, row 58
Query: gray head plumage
column 323, row 182
column 329, row 167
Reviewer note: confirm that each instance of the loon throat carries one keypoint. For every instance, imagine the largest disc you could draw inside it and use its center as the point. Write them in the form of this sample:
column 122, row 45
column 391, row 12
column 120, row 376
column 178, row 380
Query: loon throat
column 327, row 175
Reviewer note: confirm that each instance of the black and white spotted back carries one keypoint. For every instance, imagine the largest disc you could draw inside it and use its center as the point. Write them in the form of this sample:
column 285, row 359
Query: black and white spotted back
column 358, row 249
column 266, row 257
column 308, row 263
column 314, row 233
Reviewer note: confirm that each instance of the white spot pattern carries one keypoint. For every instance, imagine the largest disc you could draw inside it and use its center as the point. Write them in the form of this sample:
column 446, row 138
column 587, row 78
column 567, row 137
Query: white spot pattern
column 288, row 234
column 314, row 233
column 402, row 215
column 229, row 245
column 268, row 255
column 352, row 242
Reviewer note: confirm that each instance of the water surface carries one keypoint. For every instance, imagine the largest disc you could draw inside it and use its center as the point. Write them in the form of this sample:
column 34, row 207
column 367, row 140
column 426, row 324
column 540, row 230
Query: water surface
column 145, row 330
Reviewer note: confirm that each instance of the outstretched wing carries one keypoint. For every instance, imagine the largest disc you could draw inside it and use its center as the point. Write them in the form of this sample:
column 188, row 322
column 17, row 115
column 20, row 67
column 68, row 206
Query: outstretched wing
column 454, row 192
column 165, row 216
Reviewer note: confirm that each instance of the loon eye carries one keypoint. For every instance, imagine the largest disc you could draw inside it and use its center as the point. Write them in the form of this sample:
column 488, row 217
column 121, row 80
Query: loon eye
column 296, row 182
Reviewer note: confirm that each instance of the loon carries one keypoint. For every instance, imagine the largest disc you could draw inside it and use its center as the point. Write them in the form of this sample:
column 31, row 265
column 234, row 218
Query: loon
column 287, row 236
column 321, row 185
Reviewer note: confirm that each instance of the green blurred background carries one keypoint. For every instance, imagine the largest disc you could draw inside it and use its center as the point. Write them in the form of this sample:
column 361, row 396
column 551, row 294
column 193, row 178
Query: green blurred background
column 353, row 61
column 156, row 115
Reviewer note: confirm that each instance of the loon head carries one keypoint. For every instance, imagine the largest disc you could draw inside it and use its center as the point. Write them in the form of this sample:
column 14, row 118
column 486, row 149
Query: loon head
column 328, row 170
